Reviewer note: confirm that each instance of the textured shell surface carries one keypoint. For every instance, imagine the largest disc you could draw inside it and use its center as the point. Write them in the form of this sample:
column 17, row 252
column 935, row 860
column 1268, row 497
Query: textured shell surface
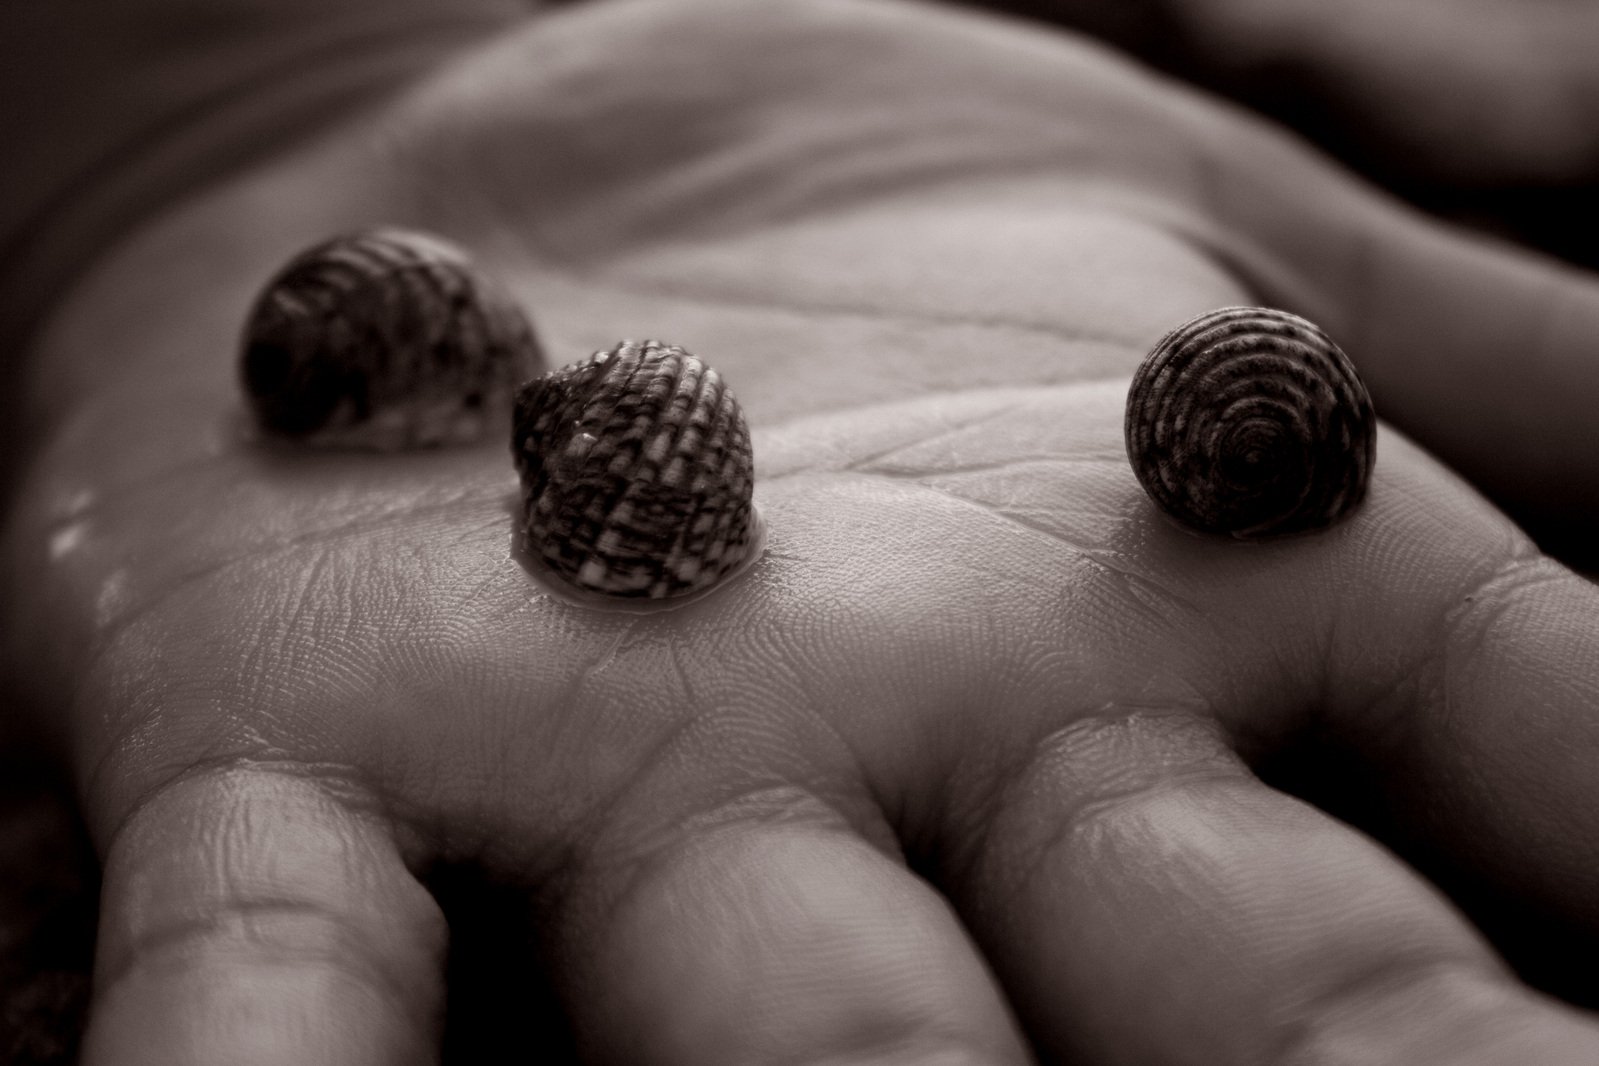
column 385, row 338
column 1251, row 421
column 637, row 474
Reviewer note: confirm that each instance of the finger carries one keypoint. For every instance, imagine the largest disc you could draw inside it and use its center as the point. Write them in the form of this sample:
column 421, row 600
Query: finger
column 1500, row 97
column 248, row 917
column 1146, row 900
column 774, row 934
column 1486, row 751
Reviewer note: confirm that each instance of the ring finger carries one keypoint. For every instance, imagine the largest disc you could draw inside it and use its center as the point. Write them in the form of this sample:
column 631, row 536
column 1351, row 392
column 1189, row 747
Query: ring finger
column 1146, row 900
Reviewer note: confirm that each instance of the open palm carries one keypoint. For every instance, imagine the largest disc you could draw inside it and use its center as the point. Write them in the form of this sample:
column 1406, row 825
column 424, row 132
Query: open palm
column 927, row 253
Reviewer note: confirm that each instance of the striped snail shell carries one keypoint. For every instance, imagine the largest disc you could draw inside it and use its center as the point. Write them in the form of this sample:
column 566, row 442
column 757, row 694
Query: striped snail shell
column 386, row 338
column 637, row 474
column 1250, row 421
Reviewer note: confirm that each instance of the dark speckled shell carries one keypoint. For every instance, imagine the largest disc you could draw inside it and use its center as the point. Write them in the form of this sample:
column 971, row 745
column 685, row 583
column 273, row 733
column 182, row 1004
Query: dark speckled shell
column 1250, row 421
column 637, row 473
column 386, row 338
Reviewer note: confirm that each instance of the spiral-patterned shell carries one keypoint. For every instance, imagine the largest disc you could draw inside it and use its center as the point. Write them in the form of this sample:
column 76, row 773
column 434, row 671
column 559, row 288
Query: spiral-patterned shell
column 386, row 338
column 637, row 473
column 1250, row 421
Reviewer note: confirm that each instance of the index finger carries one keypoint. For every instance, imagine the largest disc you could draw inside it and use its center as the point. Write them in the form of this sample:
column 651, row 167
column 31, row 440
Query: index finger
column 250, row 918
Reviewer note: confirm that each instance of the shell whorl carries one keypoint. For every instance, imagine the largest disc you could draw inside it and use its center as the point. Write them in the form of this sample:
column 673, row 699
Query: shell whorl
column 637, row 473
column 1250, row 421
column 385, row 338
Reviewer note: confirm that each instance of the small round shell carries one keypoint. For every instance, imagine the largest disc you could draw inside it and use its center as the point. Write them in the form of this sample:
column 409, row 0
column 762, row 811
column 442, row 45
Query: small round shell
column 384, row 339
column 637, row 473
column 1250, row 421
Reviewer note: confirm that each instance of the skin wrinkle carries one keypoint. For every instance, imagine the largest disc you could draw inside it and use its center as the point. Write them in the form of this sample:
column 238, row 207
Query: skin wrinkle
column 342, row 782
column 644, row 853
column 599, row 808
column 1298, row 1036
column 122, row 745
column 1299, row 1039
column 628, row 636
column 994, row 788
column 685, row 740
column 1147, row 591
column 815, row 824
column 882, row 818
column 887, row 797
column 1304, row 716
column 913, row 1042
column 916, row 1053
column 1330, row 687
column 258, row 555
column 303, row 598
column 685, row 676
column 940, row 433
column 852, row 189
column 765, row 804
column 727, row 297
column 1370, row 722
column 819, row 455
column 998, row 466
column 631, row 874
column 349, row 954
column 101, row 770
column 603, row 812
column 1108, row 804
column 1464, row 635
column 606, row 657
column 1493, row 593
column 110, row 648
column 1372, row 727
column 1196, row 616
column 1024, row 847
column 355, row 953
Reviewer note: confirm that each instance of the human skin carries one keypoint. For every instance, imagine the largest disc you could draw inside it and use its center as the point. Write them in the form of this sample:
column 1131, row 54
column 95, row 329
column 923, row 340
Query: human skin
column 1464, row 92
column 927, row 251
column 1480, row 110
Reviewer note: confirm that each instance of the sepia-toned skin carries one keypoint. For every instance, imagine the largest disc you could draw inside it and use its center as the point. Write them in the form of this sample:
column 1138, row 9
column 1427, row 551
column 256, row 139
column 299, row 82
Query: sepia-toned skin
column 927, row 250
column 1460, row 92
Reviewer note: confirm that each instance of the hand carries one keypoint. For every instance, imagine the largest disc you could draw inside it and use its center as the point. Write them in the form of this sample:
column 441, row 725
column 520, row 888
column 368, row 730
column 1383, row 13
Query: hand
column 1457, row 92
column 1482, row 112
column 291, row 685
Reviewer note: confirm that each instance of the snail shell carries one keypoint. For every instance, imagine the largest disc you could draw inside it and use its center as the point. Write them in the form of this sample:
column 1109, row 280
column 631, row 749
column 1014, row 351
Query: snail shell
column 384, row 339
column 1250, row 421
column 637, row 474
